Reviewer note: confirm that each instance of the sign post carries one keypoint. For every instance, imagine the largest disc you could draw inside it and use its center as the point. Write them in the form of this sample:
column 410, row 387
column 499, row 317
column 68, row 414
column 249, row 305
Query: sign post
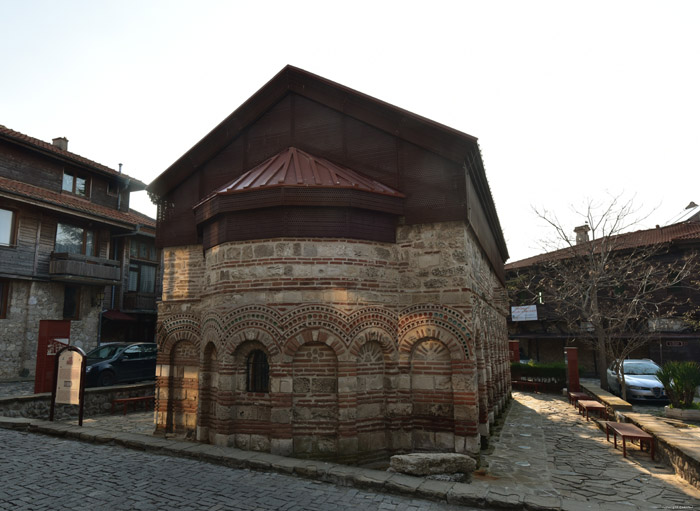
column 69, row 380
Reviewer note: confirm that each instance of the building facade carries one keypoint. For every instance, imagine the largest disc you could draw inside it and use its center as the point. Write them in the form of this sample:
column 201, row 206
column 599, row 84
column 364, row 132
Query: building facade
column 671, row 333
column 332, row 280
column 65, row 235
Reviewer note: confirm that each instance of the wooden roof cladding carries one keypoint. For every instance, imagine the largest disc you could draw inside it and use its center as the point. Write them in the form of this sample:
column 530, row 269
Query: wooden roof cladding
column 438, row 169
column 296, row 178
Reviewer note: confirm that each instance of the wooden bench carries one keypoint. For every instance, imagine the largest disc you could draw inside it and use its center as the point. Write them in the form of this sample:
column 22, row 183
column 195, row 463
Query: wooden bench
column 574, row 397
column 588, row 406
column 146, row 400
column 629, row 432
column 534, row 385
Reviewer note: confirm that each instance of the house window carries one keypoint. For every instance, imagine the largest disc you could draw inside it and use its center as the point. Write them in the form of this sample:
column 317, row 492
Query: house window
column 75, row 240
column 7, row 227
column 112, row 189
column 71, row 302
column 142, row 278
column 258, row 372
column 142, row 249
column 73, row 183
column 4, row 297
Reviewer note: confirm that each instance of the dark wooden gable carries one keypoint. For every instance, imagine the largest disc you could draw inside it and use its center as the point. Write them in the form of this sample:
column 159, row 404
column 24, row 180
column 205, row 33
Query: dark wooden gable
column 427, row 162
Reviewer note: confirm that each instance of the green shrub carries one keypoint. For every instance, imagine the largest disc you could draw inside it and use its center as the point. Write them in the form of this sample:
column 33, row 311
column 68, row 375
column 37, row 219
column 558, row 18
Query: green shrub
column 554, row 372
column 680, row 380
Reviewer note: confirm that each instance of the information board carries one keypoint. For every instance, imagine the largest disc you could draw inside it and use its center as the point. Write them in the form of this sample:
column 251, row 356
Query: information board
column 70, row 365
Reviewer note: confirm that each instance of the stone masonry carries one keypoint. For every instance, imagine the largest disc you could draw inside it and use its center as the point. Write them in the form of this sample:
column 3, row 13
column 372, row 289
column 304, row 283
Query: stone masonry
column 374, row 348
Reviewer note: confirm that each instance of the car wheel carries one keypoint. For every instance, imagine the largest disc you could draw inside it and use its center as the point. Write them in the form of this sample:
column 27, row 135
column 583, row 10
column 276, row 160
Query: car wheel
column 106, row 379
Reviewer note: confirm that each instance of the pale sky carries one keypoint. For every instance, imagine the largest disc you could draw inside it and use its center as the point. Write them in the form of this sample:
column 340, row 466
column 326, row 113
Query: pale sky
column 570, row 101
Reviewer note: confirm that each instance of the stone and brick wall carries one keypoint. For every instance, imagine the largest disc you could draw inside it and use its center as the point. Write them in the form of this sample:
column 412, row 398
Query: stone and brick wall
column 29, row 303
column 373, row 347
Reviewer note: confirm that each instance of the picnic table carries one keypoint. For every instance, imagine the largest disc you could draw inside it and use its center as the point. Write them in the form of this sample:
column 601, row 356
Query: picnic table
column 587, row 406
column 575, row 396
column 629, row 432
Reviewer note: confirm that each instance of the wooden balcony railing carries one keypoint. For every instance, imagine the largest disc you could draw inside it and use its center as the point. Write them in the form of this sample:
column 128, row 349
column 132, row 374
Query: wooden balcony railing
column 81, row 269
column 139, row 301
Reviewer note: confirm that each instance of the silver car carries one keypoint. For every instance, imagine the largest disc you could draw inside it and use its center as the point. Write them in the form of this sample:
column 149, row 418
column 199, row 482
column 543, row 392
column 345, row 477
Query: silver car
column 640, row 379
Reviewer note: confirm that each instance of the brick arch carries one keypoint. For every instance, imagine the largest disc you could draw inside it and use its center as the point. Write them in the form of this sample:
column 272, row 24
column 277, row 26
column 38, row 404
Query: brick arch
column 437, row 321
column 212, row 330
column 316, row 317
column 182, row 327
column 262, row 336
column 379, row 335
column 371, row 317
column 315, row 336
column 413, row 336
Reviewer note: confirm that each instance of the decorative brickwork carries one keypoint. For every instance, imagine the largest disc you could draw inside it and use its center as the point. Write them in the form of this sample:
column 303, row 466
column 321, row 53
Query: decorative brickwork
column 368, row 354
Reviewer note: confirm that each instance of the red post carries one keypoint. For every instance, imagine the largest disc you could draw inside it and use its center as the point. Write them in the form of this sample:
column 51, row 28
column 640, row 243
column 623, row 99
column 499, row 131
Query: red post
column 571, row 358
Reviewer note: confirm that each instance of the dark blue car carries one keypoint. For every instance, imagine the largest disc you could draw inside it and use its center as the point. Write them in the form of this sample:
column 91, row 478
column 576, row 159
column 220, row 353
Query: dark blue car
column 120, row 363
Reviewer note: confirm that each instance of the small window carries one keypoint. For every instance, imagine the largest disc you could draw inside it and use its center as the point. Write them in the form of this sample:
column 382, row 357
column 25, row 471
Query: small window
column 142, row 278
column 71, row 302
column 4, row 297
column 7, row 227
column 112, row 189
column 142, row 249
column 73, row 183
column 75, row 240
column 258, row 372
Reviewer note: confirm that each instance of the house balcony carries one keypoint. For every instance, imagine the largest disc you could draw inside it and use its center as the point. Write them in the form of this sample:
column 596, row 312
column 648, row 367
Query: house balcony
column 81, row 269
column 139, row 302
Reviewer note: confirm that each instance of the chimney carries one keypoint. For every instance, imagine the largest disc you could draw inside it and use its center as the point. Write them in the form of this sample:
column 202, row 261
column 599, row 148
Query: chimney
column 61, row 143
column 582, row 234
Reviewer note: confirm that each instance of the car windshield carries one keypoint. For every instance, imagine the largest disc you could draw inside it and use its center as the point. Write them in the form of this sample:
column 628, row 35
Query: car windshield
column 640, row 368
column 104, row 352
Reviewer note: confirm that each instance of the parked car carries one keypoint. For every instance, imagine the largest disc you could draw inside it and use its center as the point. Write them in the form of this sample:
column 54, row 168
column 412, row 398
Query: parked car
column 119, row 363
column 640, row 379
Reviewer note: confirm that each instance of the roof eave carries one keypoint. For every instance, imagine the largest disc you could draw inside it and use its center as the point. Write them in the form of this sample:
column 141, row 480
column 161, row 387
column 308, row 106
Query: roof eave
column 433, row 136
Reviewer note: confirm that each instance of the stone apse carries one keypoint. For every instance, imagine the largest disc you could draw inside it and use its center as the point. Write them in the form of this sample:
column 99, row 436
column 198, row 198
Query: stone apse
column 315, row 307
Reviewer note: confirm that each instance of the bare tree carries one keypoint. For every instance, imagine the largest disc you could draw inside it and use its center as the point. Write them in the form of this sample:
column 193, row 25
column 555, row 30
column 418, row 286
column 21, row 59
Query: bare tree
column 608, row 286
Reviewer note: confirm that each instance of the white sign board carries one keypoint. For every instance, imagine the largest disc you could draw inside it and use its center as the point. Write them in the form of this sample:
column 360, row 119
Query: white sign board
column 524, row 313
column 70, row 364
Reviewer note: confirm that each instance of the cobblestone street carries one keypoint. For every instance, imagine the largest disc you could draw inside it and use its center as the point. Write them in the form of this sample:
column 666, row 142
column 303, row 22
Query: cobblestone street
column 46, row 473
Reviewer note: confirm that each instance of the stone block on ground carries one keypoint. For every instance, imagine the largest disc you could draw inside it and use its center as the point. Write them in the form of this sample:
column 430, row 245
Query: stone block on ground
column 424, row 464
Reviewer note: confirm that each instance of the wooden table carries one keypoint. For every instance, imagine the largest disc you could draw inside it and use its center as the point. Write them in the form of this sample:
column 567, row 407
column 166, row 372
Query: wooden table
column 629, row 432
column 575, row 396
column 591, row 406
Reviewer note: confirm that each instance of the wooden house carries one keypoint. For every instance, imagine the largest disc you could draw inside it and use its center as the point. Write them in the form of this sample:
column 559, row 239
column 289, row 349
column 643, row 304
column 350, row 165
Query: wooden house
column 70, row 249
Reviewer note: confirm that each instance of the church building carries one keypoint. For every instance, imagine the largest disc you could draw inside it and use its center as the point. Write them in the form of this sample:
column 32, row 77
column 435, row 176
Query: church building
column 333, row 281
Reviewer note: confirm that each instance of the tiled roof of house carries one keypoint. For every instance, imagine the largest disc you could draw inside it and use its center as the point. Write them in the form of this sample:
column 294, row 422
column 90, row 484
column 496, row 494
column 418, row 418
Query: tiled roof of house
column 676, row 233
column 42, row 197
column 35, row 143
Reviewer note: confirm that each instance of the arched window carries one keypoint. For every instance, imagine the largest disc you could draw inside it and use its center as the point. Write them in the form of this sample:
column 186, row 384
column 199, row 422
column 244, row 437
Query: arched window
column 258, row 372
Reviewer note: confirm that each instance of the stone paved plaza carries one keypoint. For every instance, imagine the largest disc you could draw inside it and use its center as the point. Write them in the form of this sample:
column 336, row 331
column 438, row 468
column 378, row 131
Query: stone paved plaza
column 546, row 445
column 47, row 473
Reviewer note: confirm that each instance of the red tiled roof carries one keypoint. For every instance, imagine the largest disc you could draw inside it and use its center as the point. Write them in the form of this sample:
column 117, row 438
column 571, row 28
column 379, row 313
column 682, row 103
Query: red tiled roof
column 297, row 168
column 41, row 196
column 680, row 232
column 16, row 136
